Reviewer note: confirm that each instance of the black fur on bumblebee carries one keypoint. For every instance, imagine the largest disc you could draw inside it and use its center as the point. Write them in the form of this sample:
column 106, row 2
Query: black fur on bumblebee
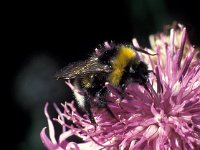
column 117, row 64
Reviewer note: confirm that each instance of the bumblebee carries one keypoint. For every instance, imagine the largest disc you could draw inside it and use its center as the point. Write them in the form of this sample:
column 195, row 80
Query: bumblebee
column 117, row 64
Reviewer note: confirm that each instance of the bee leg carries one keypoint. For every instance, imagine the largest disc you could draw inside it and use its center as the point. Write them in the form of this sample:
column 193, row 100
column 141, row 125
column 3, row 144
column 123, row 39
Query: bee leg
column 82, row 99
column 102, row 102
column 86, row 107
column 88, row 111
column 123, row 93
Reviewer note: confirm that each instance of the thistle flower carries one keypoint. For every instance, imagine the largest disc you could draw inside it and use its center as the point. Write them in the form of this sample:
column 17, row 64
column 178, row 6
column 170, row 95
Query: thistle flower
column 167, row 116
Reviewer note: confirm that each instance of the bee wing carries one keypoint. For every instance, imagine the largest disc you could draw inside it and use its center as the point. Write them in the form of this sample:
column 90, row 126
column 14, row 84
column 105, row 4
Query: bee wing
column 81, row 69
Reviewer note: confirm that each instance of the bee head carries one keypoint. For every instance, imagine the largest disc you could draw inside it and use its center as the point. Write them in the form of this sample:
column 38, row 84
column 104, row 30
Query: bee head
column 139, row 72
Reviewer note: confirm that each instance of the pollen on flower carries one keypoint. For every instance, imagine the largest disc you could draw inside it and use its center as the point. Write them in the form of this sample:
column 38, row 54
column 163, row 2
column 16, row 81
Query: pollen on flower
column 163, row 116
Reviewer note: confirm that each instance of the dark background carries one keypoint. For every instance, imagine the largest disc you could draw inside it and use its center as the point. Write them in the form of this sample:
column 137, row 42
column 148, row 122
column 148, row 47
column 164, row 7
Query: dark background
column 44, row 37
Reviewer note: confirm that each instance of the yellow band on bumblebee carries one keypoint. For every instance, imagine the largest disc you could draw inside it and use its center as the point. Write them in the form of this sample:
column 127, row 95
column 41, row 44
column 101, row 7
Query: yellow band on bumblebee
column 123, row 57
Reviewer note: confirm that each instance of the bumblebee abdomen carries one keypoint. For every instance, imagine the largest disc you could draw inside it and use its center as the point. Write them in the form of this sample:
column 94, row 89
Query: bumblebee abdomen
column 87, row 82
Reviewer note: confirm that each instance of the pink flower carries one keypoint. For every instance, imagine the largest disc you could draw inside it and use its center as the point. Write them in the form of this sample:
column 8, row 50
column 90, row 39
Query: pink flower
column 165, row 117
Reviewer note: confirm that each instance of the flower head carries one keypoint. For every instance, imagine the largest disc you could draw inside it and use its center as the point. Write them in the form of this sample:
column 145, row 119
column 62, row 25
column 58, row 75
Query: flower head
column 166, row 116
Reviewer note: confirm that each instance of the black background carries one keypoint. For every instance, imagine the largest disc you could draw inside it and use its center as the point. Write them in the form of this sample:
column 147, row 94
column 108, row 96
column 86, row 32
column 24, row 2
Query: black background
column 66, row 32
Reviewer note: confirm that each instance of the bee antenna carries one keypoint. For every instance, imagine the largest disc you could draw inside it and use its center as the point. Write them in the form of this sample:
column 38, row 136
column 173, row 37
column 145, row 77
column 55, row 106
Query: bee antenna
column 143, row 51
column 146, row 88
column 151, row 71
